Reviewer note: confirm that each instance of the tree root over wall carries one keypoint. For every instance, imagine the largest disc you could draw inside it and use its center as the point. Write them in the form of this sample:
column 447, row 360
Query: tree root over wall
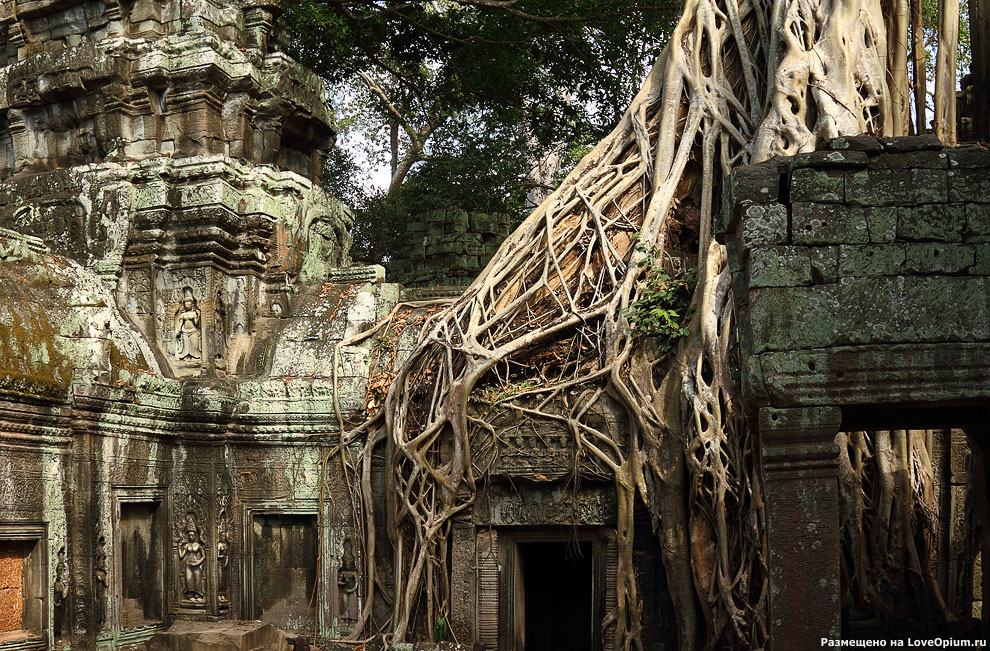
column 739, row 82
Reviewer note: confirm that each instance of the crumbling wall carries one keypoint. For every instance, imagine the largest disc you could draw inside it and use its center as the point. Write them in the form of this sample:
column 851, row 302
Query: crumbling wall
column 448, row 247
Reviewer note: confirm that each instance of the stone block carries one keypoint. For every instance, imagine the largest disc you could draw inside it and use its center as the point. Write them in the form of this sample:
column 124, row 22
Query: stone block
column 824, row 159
column 925, row 142
column 786, row 318
column 857, row 311
column 968, row 157
column 815, row 185
column 824, row 264
column 896, row 187
column 871, row 260
column 935, row 258
column 881, row 223
column 977, row 222
column 969, row 184
column 822, row 223
column 758, row 183
column 932, row 222
column 981, row 263
column 763, row 224
column 779, row 266
column 911, row 160
column 864, row 143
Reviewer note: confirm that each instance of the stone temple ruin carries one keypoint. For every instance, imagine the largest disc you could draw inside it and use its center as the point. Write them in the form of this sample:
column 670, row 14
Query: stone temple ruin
column 180, row 342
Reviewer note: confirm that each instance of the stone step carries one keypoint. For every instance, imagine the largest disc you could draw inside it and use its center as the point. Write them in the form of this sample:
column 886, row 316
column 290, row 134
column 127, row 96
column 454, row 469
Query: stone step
column 220, row 636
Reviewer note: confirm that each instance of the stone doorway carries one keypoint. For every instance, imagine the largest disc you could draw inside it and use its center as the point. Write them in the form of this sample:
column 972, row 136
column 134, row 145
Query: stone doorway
column 552, row 592
column 284, row 570
column 23, row 586
column 141, row 559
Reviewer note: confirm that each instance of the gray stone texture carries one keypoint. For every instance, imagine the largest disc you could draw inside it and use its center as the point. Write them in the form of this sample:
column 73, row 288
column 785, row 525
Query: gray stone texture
column 864, row 305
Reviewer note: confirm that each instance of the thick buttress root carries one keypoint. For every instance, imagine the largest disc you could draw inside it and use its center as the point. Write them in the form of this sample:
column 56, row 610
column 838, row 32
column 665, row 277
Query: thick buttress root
column 740, row 81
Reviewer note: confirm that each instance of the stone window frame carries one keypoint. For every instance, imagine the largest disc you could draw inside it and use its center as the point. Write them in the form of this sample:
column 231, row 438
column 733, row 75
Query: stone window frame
column 252, row 508
column 509, row 539
column 139, row 495
column 37, row 532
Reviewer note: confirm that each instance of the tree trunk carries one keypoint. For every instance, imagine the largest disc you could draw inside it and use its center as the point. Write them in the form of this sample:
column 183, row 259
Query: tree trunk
column 945, row 71
column 979, row 39
column 897, row 40
column 920, row 70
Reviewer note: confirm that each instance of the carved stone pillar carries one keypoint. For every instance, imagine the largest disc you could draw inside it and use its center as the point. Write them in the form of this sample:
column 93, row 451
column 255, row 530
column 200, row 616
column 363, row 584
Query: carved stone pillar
column 462, row 583
column 800, row 470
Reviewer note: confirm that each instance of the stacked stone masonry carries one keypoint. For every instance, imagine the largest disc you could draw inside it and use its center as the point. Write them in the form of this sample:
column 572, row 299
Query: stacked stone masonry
column 449, row 247
column 862, row 288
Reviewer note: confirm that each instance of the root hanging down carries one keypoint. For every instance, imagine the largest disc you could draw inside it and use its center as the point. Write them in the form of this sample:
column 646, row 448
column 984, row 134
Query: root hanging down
column 739, row 81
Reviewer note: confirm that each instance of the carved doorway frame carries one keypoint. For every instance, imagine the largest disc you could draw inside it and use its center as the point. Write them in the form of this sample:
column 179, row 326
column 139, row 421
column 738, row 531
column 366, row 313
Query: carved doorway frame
column 253, row 508
column 37, row 533
column 509, row 635
column 141, row 495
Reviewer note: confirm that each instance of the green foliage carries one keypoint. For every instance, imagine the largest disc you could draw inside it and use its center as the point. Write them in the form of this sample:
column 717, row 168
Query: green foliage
column 441, row 632
column 663, row 310
column 495, row 88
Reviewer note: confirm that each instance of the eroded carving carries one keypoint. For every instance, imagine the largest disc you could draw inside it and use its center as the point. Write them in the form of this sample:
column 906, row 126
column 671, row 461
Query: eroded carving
column 60, row 593
column 347, row 585
column 188, row 319
column 192, row 554
column 101, row 580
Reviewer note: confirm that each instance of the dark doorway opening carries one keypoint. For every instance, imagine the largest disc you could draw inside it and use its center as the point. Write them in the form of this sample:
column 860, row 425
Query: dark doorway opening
column 558, row 585
column 141, row 564
column 284, row 550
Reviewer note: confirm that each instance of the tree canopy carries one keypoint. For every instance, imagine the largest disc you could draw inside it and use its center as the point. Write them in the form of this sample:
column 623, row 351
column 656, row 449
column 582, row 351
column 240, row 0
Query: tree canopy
column 464, row 98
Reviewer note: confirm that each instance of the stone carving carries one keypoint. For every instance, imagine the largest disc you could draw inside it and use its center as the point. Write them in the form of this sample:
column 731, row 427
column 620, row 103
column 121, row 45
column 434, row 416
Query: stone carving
column 220, row 327
column 193, row 555
column 583, row 509
column 60, row 593
column 187, row 328
column 223, row 562
column 101, row 580
column 347, row 585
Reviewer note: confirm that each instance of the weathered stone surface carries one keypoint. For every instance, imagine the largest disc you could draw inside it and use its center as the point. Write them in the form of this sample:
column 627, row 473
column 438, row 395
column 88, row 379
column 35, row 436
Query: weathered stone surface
column 814, row 185
column 448, row 247
column 863, row 143
column 823, row 223
column 887, row 187
column 851, row 375
column 939, row 258
column 977, row 223
column 968, row 184
column 763, row 224
column 779, row 266
column 836, row 159
column 871, row 260
column 228, row 636
column 881, row 223
column 925, row 142
column 824, row 264
column 911, row 160
column 871, row 310
column 931, row 222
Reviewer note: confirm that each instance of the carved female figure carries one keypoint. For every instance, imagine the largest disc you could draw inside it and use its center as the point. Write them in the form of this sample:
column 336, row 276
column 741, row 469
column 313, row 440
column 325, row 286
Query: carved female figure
column 187, row 322
column 193, row 555
column 100, row 581
column 347, row 583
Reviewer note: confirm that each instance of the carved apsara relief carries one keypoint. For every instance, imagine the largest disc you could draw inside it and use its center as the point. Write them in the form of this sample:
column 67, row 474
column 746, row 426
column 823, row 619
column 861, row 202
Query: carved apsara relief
column 192, row 558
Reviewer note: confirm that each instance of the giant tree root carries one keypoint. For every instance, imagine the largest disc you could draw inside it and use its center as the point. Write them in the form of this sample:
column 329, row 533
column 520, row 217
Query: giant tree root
column 740, row 81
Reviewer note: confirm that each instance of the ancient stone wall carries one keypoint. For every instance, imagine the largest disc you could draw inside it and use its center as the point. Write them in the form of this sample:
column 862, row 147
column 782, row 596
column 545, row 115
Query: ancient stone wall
column 861, row 277
column 448, row 247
